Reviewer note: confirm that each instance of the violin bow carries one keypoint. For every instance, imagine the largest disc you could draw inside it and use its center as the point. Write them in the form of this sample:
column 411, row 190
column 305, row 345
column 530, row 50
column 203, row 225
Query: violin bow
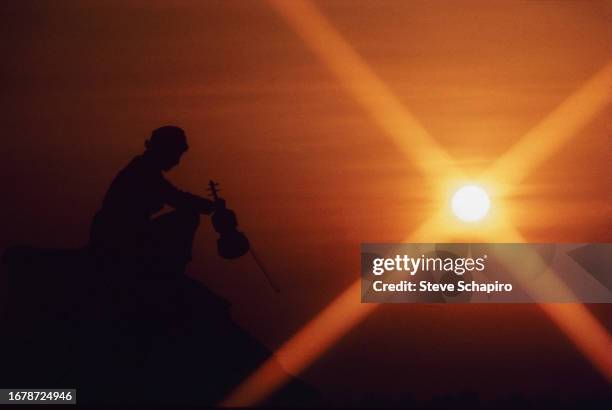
column 263, row 270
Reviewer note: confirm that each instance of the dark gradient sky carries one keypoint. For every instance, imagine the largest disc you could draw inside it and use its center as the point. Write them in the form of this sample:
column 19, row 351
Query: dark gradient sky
column 310, row 175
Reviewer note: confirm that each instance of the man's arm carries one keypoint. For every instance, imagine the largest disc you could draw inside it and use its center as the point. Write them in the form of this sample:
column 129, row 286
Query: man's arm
column 184, row 200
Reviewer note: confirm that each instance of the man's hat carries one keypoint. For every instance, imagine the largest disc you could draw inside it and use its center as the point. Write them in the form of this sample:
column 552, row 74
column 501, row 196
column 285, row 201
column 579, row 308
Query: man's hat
column 168, row 137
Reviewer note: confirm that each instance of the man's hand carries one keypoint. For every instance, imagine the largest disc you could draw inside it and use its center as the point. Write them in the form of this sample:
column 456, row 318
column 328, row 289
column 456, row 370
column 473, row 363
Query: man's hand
column 218, row 204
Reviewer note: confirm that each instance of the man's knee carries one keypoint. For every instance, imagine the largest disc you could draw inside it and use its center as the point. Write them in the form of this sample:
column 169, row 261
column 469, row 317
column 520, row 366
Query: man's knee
column 188, row 218
column 177, row 223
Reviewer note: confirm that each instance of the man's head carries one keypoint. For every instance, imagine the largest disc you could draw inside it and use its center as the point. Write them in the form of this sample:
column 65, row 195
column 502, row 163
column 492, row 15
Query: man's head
column 166, row 146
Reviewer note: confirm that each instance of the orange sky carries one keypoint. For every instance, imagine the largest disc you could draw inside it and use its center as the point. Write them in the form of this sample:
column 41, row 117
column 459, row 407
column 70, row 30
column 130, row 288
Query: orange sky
column 308, row 171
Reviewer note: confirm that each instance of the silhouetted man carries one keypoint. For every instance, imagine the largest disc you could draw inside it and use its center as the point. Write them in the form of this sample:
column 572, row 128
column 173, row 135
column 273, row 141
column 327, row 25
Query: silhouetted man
column 123, row 233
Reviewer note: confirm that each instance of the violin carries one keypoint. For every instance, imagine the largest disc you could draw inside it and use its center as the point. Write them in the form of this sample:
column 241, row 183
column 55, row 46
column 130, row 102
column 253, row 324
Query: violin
column 231, row 243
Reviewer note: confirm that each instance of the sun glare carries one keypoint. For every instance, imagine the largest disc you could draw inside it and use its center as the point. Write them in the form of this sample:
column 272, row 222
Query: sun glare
column 470, row 203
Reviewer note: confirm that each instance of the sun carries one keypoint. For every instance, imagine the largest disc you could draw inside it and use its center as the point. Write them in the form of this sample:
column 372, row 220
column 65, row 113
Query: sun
column 470, row 203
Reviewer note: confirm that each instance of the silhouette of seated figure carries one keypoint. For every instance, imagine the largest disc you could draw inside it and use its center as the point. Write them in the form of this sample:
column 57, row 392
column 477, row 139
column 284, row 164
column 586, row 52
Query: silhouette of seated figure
column 124, row 236
column 149, row 334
